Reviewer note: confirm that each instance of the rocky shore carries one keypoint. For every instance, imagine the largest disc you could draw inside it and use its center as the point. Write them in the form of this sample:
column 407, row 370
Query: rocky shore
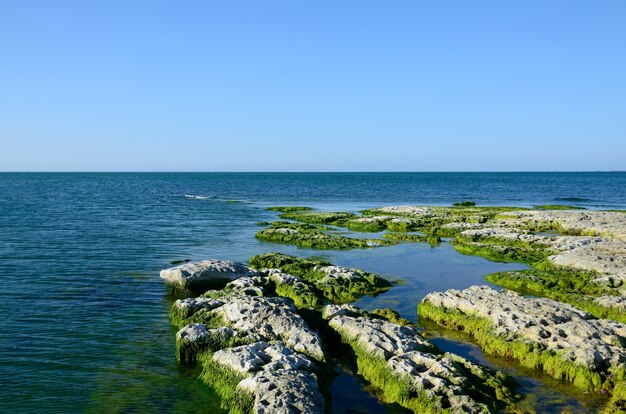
column 267, row 334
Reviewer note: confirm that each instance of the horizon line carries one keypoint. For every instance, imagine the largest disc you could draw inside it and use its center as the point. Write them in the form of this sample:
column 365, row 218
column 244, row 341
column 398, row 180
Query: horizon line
column 298, row 172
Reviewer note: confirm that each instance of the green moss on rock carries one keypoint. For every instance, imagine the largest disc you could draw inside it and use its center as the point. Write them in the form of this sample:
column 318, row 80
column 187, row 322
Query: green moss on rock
column 337, row 284
column 313, row 236
column 224, row 382
column 528, row 354
column 500, row 252
column 575, row 288
column 288, row 209
column 319, row 217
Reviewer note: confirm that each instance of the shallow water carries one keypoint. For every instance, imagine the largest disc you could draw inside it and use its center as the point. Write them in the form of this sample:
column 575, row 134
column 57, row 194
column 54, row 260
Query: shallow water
column 86, row 315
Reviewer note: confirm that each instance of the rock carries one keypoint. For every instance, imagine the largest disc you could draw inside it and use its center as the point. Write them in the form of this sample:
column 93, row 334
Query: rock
column 345, row 284
column 279, row 379
column 330, row 311
column 302, row 294
column 258, row 318
column 507, row 235
column 204, row 275
column 244, row 286
column 617, row 302
column 583, row 222
column 412, row 372
column 551, row 325
column 380, row 338
column 185, row 308
column 602, row 255
column 407, row 210
column 194, row 339
column 437, row 376
column 273, row 319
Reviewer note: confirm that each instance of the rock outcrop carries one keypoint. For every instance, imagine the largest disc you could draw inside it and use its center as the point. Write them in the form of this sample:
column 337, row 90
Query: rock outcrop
column 277, row 379
column 413, row 372
column 576, row 345
column 204, row 275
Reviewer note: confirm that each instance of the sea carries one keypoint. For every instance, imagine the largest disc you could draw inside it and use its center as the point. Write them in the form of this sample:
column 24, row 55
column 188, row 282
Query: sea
column 84, row 315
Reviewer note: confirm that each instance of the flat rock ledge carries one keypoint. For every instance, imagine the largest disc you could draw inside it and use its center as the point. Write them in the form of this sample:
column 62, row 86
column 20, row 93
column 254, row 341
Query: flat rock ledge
column 204, row 275
column 279, row 380
column 412, row 371
column 542, row 333
column 256, row 317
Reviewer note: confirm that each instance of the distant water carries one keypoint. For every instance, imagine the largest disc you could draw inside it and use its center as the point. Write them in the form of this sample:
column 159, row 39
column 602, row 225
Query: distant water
column 85, row 315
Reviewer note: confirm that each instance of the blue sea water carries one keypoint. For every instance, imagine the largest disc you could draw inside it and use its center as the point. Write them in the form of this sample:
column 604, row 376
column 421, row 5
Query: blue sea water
column 84, row 324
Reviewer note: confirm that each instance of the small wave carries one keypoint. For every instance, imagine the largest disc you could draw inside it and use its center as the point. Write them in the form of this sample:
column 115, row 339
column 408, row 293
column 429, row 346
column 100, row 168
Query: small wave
column 198, row 197
column 578, row 199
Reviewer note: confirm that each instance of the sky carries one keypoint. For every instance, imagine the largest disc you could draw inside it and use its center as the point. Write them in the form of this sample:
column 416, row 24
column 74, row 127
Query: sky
column 312, row 85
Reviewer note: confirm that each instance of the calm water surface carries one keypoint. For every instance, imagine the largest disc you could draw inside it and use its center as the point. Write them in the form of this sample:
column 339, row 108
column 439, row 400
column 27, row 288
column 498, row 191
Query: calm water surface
column 85, row 324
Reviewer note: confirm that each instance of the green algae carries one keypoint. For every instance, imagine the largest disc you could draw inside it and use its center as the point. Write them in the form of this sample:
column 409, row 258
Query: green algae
column 489, row 387
column 432, row 239
column 617, row 403
column 499, row 252
column 576, row 288
column 288, row 209
column 224, row 381
column 181, row 317
column 402, row 225
column 297, row 266
column 191, row 352
column 319, row 217
column 464, row 204
column 311, row 270
column 366, row 226
column 389, row 315
column 314, row 236
column 528, row 354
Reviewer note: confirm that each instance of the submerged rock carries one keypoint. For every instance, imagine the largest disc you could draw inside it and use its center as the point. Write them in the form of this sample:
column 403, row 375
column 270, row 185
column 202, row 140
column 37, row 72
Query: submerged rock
column 204, row 275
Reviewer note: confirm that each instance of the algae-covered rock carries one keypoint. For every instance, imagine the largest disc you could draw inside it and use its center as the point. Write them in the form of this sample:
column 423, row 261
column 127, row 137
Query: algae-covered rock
column 204, row 275
column 412, row 372
column 336, row 283
column 183, row 309
column 541, row 333
column 315, row 237
column 289, row 286
column 581, row 289
column 275, row 378
column 577, row 222
column 274, row 319
column 259, row 318
column 192, row 340
column 380, row 338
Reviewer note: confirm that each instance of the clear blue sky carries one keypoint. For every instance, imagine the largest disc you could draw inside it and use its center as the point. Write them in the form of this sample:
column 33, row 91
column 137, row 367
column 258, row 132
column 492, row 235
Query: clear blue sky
column 308, row 86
